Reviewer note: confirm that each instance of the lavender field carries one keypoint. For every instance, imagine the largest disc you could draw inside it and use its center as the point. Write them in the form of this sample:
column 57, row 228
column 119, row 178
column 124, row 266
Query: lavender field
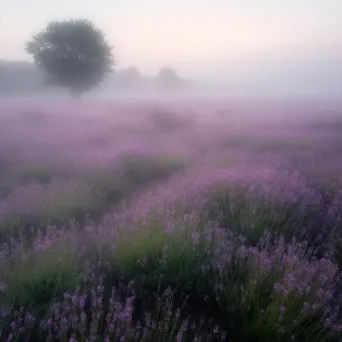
column 164, row 221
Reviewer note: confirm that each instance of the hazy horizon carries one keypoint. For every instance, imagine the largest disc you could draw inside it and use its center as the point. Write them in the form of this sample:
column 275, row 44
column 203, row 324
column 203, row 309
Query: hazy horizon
column 264, row 46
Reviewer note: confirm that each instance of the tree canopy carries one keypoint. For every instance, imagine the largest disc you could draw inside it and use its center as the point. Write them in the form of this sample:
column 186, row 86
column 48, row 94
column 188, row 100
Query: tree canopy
column 74, row 53
column 168, row 79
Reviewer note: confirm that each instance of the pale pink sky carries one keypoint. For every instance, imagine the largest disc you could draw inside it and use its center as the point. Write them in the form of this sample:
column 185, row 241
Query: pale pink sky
column 204, row 38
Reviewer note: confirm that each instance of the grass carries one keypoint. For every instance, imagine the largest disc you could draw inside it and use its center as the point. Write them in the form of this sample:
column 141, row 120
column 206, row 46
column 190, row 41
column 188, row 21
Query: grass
column 40, row 279
column 36, row 173
column 155, row 258
column 28, row 173
column 36, row 205
column 254, row 216
column 269, row 298
column 132, row 172
column 235, row 248
column 239, row 289
column 57, row 201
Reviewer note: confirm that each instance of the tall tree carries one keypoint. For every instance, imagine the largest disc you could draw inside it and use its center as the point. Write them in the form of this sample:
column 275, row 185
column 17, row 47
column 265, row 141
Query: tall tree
column 74, row 54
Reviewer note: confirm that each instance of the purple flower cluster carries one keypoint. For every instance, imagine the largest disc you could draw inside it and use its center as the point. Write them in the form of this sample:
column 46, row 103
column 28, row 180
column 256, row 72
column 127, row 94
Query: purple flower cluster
column 299, row 285
column 3, row 287
column 193, row 231
column 15, row 324
column 74, row 320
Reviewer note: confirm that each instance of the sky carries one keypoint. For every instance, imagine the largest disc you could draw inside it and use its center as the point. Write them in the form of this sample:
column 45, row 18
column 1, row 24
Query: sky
column 242, row 41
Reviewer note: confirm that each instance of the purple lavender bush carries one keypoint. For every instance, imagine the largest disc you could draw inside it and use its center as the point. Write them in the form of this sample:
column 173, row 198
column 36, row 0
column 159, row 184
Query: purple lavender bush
column 244, row 244
column 35, row 205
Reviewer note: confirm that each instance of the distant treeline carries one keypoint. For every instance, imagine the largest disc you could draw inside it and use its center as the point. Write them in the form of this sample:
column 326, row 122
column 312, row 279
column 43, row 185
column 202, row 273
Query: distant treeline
column 20, row 77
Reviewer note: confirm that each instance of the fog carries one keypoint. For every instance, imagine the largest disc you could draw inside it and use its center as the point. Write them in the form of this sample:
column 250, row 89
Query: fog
column 193, row 194
column 220, row 48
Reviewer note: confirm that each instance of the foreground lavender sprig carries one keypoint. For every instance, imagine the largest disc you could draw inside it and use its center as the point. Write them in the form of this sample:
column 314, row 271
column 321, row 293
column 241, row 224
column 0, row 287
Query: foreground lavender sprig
column 85, row 316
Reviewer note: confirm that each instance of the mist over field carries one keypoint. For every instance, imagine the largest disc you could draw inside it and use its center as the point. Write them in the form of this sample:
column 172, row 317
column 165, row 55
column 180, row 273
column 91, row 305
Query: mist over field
column 171, row 171
column 227, row 49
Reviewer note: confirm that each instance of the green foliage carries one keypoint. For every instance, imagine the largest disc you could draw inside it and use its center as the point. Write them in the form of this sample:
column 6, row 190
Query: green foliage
column 253, row 216
column 39, row 173
column 138, row 170
column 240, row 296
column 24, row 174
column 38, row 279
column 36, row 205
column 156, row 259
column 44, row 199
column 132, row 172
column 74, row 53
column 226, row 273
column 35, row 172
column 248, row 299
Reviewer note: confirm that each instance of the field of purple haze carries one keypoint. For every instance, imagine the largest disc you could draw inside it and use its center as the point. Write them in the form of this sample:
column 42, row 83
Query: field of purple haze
column 161, row 221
